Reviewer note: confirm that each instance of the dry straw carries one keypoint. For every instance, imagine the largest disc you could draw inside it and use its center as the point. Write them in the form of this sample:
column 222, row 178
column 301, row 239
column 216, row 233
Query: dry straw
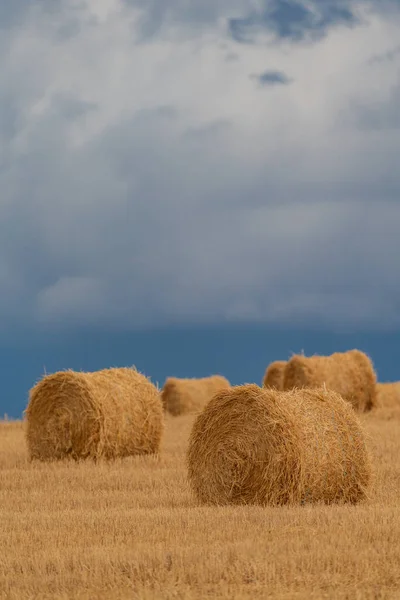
column 183, row 396
column 273, row 377
column 388, row 394
column 110, row 413
column 351, row 374
column 253, row 445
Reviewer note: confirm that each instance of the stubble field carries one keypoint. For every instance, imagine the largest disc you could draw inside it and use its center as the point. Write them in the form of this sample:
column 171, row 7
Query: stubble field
column 131, row 529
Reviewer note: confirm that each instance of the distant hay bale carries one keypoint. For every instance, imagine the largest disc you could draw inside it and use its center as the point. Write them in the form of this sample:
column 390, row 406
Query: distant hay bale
column 351, row 374
column 253, row 445
column 183, row 396
column 388, row 394
column 105, row 414
column 273, row 377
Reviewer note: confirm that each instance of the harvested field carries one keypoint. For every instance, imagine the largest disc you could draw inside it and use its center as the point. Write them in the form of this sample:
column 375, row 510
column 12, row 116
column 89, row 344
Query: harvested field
column 388, row 394
column 132, row 529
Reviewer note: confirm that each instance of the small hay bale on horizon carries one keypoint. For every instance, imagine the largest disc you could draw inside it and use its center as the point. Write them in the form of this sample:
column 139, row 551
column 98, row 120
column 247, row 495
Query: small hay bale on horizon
column 253, row 445
column 388, row 394
column 188, row 395
column 108, row 414
column 351, row 374
column 273, row 376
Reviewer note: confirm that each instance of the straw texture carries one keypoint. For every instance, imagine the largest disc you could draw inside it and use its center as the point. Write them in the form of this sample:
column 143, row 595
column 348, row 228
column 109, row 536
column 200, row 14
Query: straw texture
column 273, row 377
column 351, row 374
column 253, row 445
column 184, row 396
column 110, row 413
column 388, row 394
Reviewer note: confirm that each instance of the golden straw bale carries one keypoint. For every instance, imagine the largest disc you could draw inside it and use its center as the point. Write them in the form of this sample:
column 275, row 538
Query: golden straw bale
column 253, row 445
column 110, row 413
column 273, row 377
column 388, row 394
column 351, row 374
column 182, row 396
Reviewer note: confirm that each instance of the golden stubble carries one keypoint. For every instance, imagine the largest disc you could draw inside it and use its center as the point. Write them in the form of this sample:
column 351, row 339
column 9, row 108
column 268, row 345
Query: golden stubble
column 130, row 528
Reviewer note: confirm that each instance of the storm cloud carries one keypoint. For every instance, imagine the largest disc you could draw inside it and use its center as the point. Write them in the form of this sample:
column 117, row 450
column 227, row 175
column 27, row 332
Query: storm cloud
column 269, row 78
column 147, row 181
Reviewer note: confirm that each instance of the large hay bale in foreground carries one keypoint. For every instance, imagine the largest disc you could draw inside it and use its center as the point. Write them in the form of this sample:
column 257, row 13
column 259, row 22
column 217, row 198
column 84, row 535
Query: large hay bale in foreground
column 388, row 394
column 273, row 377
column 253, row 445
column 351, row 374
column 110, row 413
column 183, row 396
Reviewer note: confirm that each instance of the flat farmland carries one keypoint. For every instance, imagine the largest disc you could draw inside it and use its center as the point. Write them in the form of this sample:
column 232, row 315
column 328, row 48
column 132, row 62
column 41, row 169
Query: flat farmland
column 132, row 529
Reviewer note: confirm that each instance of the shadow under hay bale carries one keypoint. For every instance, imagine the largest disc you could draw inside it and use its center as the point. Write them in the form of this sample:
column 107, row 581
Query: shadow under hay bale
column 105, row 414
column 388, row 394
column 273, row 377
column 351, row 374
column 253, row 445
column 183, row 396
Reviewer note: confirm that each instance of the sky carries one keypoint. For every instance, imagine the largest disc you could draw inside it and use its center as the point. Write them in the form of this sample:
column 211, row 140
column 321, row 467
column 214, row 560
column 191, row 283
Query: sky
column 196, row 186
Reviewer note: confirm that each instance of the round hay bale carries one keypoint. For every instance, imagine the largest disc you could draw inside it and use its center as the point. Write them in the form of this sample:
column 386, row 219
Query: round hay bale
column 273, row 377
column 183, row 396
column 351, row 374
column 253, row 445
column 388, row 394
column 110, row 413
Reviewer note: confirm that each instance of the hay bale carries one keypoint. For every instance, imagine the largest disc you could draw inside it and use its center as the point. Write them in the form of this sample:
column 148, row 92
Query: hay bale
column 253, row 445
column 273, row 377
column 183, row 396
column 110, row 413
column 388, row 394
column 351, row 374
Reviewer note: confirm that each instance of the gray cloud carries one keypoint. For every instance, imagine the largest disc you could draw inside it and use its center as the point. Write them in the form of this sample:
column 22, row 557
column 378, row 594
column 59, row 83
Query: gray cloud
column 385, row 115
column 269, row 78
column 65, row 105
column 152, row 184
column 390, row 55
column 376, row 113
column 232, row 57
column 159, row 15
column 10, row 13
column 14, row 15
column 293, row 19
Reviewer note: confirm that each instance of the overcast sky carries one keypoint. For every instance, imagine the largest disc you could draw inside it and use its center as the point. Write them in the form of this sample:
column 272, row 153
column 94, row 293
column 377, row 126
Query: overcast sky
column 199, row 161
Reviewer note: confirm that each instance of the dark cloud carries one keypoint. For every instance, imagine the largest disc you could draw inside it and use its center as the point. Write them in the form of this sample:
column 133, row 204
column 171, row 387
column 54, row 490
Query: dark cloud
column 270, row 78
column 210, row 130
column 9, row 115
column 152, row 184
column 290, row 19
column 158, row 112
column 14, row 14
column 232, row 57
column 390, row 55
column 379, row 115
column 69, row 107
column 158, row 15
column 125, row 233
column 385, row 115
column 293, row 19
